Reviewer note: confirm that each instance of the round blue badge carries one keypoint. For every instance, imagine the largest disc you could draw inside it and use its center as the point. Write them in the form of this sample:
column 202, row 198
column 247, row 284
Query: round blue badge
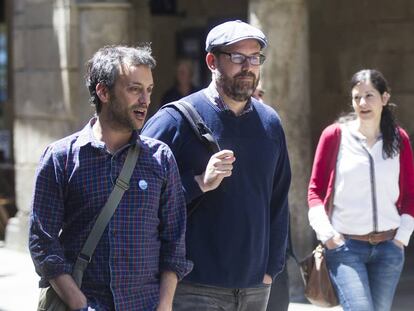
column 143, row 184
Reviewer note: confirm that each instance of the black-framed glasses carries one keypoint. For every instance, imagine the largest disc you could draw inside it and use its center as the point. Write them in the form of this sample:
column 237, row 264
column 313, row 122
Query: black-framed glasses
column 237, row 58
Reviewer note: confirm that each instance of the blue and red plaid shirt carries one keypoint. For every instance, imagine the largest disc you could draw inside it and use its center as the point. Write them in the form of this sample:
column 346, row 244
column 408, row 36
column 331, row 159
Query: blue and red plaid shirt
column 144, row 237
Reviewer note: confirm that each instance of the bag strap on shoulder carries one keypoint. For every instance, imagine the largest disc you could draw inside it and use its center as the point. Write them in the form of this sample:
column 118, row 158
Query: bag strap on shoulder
column 201, row 130
column 121, row 185
column 203, row 133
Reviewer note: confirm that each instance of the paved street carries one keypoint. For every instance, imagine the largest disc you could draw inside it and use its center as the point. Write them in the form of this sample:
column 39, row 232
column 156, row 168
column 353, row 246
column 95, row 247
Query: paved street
column 19, row 292
column 18, row 284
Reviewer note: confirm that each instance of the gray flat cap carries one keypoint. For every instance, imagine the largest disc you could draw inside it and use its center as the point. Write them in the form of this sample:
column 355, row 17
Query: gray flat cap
column 232, row 32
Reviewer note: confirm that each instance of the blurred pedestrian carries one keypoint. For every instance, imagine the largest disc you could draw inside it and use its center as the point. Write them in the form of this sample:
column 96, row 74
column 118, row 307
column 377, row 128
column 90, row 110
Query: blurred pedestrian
column 259, row 92
column 183, row 84
column 279, row 292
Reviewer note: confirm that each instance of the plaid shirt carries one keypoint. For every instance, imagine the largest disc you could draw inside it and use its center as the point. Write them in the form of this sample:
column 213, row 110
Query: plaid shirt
column 144, row 237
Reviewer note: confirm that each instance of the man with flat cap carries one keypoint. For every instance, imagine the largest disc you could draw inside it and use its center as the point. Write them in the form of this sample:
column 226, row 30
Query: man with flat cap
column 237, row 234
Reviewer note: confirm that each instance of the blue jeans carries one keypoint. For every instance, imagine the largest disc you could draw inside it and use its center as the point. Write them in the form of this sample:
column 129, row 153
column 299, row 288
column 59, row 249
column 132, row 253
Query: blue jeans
column 197, row 297
column 365, row 276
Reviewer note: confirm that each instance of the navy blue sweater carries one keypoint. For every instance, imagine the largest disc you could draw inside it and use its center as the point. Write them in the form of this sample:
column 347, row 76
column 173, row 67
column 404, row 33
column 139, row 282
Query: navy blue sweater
column 239, row 231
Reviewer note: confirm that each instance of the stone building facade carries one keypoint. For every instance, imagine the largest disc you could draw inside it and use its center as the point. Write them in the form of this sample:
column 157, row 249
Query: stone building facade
column 315, row 46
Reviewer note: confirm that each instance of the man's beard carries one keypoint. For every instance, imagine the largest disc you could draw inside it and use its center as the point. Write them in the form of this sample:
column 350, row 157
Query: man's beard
column 118, row 116
column 238, row 90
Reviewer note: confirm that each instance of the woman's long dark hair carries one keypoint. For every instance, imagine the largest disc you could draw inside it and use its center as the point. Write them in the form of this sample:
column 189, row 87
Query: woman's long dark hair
column 388, row 125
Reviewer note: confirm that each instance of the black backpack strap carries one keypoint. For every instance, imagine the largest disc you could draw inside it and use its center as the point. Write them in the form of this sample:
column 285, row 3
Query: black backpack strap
column 202, row 131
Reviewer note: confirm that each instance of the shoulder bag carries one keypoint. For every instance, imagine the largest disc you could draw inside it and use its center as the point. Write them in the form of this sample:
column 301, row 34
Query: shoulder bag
column 49, row 300
column 319, row 289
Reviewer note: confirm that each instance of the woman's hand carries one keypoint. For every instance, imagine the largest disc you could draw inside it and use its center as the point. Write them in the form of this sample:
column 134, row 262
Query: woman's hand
column 398, row 243
column 334, row 242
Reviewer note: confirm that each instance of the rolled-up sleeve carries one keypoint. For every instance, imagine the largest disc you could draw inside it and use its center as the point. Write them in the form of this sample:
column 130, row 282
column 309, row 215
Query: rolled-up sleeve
column 173, row 223
column 46, row 218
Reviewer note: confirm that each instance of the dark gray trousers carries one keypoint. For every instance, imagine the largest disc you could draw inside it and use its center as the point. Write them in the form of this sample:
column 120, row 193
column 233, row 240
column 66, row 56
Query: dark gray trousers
column 279, row 294
column 197, row 297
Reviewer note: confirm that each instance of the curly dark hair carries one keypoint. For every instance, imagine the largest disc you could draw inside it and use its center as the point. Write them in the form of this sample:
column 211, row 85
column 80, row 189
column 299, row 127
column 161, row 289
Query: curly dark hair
column 105, row 64
column 388, row 124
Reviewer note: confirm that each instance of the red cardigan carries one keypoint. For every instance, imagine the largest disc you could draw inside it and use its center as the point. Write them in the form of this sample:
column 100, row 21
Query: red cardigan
column 323, row 171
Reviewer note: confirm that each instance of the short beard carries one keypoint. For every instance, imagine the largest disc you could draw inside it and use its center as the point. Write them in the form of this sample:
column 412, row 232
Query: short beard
column 118, row 117
column 239, row 91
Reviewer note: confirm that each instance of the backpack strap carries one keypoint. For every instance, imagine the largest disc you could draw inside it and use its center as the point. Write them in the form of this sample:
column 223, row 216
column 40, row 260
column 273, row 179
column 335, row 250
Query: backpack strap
column 203, row 133
column 201, row 130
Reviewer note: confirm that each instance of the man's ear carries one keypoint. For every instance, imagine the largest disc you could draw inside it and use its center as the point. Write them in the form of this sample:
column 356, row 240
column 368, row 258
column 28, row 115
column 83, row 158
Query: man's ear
column 211, row 61
column 102, row 92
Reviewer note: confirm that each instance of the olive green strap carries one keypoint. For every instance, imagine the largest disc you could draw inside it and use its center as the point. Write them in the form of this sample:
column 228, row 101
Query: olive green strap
column 121, row 185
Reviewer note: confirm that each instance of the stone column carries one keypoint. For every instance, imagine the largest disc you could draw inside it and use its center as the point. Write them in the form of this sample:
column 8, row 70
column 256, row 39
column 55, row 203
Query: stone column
column 285, row 78
column 140, row 24
column 42, row 71
column 100, row 23
column 52, row 42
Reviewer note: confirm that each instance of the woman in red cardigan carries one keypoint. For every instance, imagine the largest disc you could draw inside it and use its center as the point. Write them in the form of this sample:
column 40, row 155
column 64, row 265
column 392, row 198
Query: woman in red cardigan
column 363, row 168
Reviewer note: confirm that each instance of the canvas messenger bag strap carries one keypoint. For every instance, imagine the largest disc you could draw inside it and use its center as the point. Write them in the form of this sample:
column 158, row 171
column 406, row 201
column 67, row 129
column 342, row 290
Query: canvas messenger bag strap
column 199, row 127
column 121, row 185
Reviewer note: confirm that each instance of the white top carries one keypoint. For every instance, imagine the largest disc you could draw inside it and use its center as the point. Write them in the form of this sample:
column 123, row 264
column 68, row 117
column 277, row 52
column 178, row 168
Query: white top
column 354, row 211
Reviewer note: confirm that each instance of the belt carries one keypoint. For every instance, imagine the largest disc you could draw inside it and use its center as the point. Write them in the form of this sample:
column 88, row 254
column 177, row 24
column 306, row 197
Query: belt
column 373, row 237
